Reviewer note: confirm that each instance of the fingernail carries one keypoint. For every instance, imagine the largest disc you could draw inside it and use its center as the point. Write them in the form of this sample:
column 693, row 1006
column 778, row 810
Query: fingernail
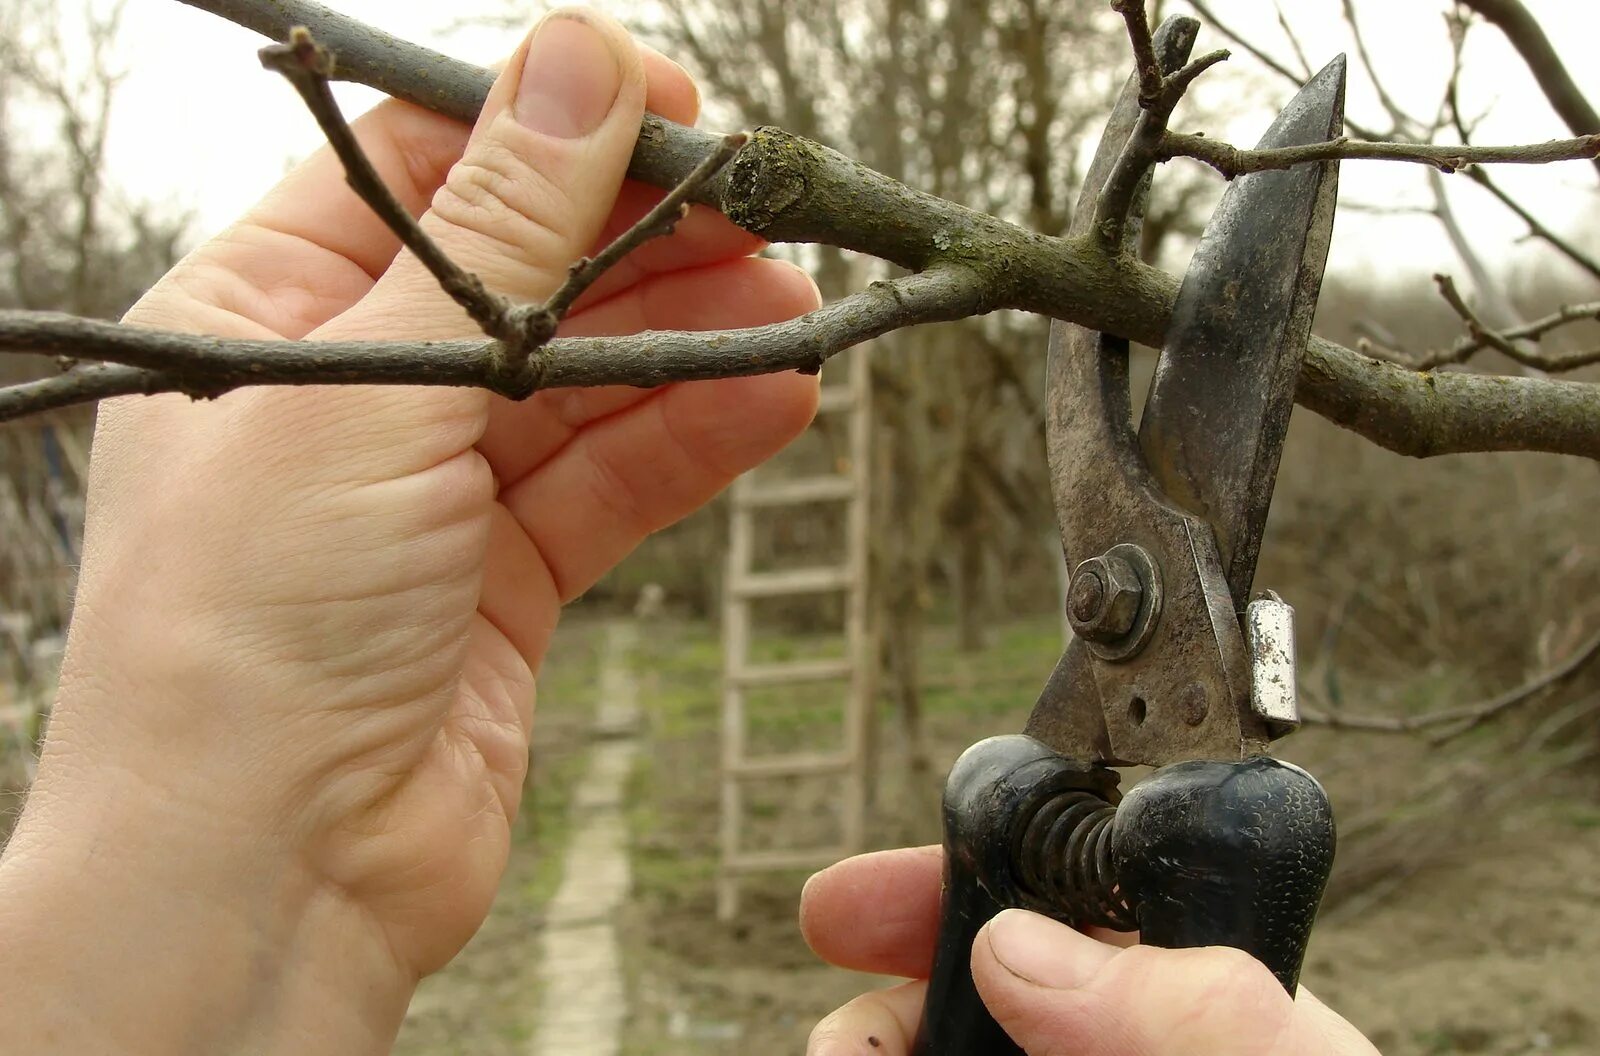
column 570, row 79
column 1044, row 952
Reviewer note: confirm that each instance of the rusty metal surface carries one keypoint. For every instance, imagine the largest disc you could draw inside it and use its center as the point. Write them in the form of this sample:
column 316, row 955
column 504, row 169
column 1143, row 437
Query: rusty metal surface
column 1107, row 497
column 1203, row 466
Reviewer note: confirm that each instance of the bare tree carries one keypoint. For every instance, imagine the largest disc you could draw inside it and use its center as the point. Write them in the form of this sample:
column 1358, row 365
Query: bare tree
column 68, row 242
column 1006, row 89
column 959, row 263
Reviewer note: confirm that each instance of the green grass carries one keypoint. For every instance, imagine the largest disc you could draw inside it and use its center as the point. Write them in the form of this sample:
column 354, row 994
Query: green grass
column 485, row 1000
column 569, row 684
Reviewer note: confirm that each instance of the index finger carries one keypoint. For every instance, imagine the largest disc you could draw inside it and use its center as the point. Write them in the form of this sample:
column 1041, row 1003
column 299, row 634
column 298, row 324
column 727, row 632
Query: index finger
column 879, row 912
column 876, row 912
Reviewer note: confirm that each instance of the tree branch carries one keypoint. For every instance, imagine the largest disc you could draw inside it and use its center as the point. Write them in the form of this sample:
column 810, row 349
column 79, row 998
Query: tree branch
column 658, row 222
column 785, row 188
column 1483, row 336
column 1526, row 35
column 1151, row 81
column 1463, row 718
column 1468, row 346
column 307, row 65
column 152, row 361
column 1536, row 228
column 1233, row 161
column 1131, row 171
column 520, row 328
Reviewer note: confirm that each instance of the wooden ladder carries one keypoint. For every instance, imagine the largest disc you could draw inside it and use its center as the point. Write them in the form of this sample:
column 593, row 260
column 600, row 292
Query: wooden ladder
column 745, row 583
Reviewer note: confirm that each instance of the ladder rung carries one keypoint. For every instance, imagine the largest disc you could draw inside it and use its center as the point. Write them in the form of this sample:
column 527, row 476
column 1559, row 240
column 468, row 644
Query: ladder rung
column 836, row 398
column 795, row 581
column 793, row 671
column 830, row 488
column 798, row 765
column 759, row 861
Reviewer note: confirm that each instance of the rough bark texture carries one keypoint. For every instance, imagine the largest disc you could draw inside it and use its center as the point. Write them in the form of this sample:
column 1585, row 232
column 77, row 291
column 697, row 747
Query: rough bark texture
column 784, row 187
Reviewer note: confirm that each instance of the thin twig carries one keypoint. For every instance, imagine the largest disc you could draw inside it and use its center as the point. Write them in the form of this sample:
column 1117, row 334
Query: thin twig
column 1151, row 81
column 1158, row 96
column 1294, row 41
column 1536, row 228
column 152, row 361
column 520, row 328
column 1470, row 345
column 1483, row 335
column 1470, row 716
column 1233, row 161
column 1404, row 123
column 657, row 223
column 307, row 66
column 1265, row 58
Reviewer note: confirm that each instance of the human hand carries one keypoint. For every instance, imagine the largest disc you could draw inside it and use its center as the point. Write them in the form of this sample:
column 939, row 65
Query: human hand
column 294, row 714
column 1056, row 991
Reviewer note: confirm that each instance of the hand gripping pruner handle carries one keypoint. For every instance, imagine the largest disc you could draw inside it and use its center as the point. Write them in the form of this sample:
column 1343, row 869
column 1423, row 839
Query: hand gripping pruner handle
column 1221, row 845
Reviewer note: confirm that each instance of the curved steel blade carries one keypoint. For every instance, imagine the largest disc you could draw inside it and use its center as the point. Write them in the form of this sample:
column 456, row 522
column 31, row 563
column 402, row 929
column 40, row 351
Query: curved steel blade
column 1090, row 434
column 1201, row 469
column 1218, row 411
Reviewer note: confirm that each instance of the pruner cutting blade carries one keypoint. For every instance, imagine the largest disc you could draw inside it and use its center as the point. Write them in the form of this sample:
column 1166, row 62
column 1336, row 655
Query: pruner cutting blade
column 1162, row 528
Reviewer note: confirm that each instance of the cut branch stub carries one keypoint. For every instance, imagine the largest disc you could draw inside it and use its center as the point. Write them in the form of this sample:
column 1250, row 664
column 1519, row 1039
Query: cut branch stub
column 786, row 188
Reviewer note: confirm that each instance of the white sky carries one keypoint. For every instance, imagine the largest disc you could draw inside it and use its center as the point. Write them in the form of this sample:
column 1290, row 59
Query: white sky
column 198, row 123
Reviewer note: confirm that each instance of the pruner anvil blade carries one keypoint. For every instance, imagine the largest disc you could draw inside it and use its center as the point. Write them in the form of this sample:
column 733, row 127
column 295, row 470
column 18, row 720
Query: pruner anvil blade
column 1183, row 503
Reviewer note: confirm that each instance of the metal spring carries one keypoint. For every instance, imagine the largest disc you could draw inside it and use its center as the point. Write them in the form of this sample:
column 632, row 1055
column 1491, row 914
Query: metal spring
column 1065, row 860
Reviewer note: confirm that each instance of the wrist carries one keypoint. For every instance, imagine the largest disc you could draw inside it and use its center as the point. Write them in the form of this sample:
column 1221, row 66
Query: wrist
column 133, row 923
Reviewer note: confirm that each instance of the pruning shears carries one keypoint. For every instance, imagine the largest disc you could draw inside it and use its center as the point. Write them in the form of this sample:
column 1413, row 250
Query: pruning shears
column 1172, row 664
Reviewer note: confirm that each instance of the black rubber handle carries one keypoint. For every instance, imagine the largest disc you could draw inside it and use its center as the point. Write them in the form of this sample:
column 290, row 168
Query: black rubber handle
column 992, row 791
column 1205, row 854
column 1227, row 854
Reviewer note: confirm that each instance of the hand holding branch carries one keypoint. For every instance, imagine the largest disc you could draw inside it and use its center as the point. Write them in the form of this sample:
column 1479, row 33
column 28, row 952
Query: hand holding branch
column 783, row 188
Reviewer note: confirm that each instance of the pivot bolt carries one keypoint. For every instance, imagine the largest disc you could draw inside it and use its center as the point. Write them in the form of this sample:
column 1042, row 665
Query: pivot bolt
column 1103, row 599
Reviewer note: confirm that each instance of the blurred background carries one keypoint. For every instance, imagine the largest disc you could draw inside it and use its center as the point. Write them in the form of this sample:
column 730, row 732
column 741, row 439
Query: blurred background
column 1464, row 914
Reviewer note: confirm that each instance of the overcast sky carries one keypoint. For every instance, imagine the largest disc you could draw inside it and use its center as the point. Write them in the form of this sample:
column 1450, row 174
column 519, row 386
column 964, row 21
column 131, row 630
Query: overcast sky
column 198, row 123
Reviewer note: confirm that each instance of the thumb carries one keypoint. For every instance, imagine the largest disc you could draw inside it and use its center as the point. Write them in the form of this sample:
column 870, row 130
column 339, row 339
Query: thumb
column 1058, row 992
column 536, row 183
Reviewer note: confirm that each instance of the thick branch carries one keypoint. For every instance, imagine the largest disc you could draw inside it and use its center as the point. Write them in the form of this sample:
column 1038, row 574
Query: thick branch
column 789, row 189
column 1428, row 414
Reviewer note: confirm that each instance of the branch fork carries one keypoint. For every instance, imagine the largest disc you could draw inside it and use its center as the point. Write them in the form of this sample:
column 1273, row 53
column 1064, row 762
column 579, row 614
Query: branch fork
column 960, row 263
column 520, row 330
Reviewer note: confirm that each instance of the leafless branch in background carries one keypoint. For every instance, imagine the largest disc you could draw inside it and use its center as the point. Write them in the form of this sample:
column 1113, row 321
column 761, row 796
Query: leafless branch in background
column 1481, row 336
column 1469, row 717
column 840, row 198
column 1513, row 19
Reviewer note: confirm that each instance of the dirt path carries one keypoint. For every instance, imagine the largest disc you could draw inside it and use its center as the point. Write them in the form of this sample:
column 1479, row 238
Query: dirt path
column 583, row 992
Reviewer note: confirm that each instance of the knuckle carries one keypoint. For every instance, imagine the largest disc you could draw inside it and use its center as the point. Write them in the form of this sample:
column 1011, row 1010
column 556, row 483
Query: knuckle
column 497, row 195
column 823, row 1034
column 1218, row 992
column 615, row 489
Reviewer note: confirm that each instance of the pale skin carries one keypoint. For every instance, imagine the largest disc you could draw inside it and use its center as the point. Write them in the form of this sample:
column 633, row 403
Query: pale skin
column 296, row 706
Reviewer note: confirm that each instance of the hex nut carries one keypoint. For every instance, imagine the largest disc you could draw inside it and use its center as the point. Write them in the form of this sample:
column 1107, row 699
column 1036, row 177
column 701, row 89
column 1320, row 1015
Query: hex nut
column 1120, row 592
